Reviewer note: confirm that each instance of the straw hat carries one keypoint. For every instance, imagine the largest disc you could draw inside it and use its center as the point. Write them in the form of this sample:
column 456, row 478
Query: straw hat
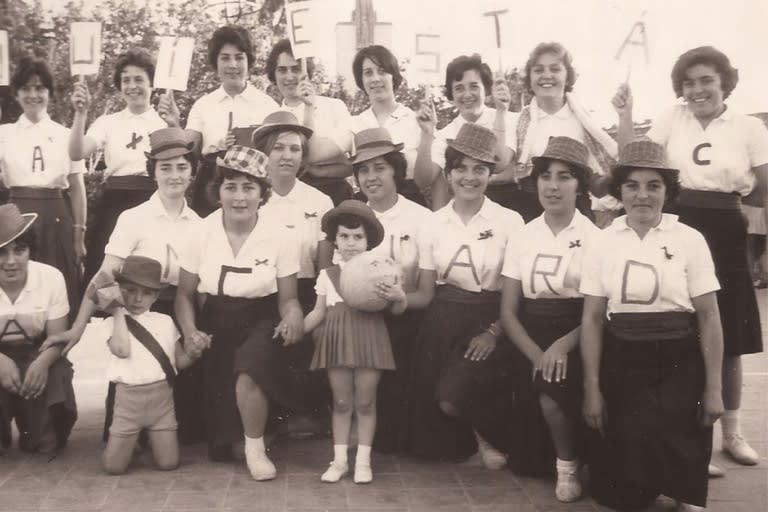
column 244, row 159
column 360, row 210
column 643, row 154
column 168, row 143
column 13, row 223
column 565, row 149
column 279, row 121
column 476, row 142
column 372, row 143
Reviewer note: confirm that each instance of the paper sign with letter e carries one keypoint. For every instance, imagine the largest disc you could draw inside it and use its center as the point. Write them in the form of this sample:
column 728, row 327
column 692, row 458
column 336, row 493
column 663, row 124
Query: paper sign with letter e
column 5, row 72
column 85, row 47
column 174, row 62
column 302, row 28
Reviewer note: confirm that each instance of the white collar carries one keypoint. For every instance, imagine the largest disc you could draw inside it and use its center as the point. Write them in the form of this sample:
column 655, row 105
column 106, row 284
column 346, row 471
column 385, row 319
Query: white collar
column 25, row 122
column 668, row 221
column 155, row 205
column 564, row 114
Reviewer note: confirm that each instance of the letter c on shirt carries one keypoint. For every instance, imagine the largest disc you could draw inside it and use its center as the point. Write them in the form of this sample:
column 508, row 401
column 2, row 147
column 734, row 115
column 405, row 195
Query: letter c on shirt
column 697, row 154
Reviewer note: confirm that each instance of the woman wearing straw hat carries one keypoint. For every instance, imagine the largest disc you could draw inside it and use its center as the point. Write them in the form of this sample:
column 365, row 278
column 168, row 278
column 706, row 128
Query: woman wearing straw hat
column 651, row 344
column 35, row 385
column 41, row 176
column 541, row 313
column 462, row 367
column 124, row 139
column 379, row 166
column 723, row 160
column 243, row 272
column 377, row 74
column 171, row 164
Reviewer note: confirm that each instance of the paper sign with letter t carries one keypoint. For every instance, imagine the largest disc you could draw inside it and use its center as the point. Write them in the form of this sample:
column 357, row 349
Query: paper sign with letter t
column 5, row 71
column 85, row 47
column 174, row 62
column 302, row 18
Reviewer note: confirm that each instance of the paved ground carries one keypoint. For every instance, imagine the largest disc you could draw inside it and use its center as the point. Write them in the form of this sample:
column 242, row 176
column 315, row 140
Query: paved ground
column 73, row 481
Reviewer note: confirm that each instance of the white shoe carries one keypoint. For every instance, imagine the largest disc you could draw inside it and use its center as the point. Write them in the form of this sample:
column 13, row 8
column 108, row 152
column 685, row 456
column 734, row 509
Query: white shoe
column 568, row 486
column 259, row 465
column 739, row 450
column 492, row 458
column 363, row 474
column 687, row 507
column 335, row 472
column 715, row 471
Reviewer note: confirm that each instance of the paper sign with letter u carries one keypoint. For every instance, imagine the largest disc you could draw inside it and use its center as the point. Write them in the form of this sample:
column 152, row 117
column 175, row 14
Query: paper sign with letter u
column 174, row 62
column 85, row 47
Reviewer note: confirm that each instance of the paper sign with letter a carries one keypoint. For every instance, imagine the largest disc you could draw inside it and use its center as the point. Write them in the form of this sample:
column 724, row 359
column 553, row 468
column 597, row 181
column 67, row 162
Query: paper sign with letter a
column 85, row 47
column 174, row 63
column 303, row 31
column 5, row 73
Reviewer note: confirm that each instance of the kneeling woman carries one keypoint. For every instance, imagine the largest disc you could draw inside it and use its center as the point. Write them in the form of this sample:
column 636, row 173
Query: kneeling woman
column 243, row 272
column 35, row 387
column 541, row 313
column 461, row 367
column 652, row 372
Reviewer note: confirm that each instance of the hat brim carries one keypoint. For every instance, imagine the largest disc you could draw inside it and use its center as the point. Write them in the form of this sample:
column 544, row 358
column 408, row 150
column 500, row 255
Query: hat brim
column 167, row 154
column 543, row 160
column 122, row 278
column 264, row 131
column 30, row 219
column 471, row 152
column 331, row 219
column 370, row 153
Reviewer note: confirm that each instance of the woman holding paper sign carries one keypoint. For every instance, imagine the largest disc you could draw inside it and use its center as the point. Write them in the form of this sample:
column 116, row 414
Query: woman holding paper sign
column 41, row 176
column 124, row 138
column 236, row 103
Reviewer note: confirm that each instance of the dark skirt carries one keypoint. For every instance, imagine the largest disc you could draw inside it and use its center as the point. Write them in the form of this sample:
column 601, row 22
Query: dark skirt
column 531, row 452
column 392, row 394
column 118, row 194
column 652, row 388
column 54, row 231
column 480, row 391
column 55, row 409
column 725, row 231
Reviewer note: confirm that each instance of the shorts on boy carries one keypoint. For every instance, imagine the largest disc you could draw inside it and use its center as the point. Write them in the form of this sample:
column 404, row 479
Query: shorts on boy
column 144, row 406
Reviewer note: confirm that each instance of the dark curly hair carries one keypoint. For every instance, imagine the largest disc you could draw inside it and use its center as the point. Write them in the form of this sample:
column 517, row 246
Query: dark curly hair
column 230, row 34
column 460, row 65
column 225, row 173
column 397, row 161
column 284, row 46
column 619, row 176
column 27, row 239
column 138, row 57
column 29, row 67
column 708, row 56
column 558, row 50
column 350, row 221
column 383, row 58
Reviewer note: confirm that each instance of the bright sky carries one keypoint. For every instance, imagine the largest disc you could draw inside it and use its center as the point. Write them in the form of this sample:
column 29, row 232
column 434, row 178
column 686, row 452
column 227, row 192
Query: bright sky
column 593, row 31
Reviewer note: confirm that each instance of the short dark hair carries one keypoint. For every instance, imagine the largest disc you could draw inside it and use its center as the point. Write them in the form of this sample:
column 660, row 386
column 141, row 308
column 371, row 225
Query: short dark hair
column 620, row 175
column 27, row 239
column 138, row 57
column 225, row 173
column 397, row 161
column 558, row 50
column 230, row 34
column 581, row 175
column 382, row 57
column 454, row 157
column 284, row 46
column 708, row 56
column 29, row 67
column 350, row 221
column 460, row 65
column 190, row 157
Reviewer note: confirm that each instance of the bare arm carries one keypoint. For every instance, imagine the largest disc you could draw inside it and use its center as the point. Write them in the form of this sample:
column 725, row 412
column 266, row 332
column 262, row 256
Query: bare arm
column 316, row 316
column 622, row 103
column 120, row 342
column 592, row 321
column 291, row 326
column 78, row 204
column 711, row 340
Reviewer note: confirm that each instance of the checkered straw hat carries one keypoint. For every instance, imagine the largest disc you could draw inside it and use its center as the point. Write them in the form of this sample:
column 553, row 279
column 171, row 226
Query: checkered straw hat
column 476, row 142
column 372, row 143
column 643, row 154
column 244, row 159
column 565, row 149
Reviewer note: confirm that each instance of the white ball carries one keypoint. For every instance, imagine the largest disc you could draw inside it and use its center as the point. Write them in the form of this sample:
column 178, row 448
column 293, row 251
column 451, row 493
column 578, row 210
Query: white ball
column 359, row 277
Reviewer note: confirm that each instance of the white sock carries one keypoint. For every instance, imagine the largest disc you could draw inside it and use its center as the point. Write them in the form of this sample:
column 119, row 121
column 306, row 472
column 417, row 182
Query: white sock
column 340, row 453
column 255, row 443
column 567, row 466
column 729, row 421
column 363, row 456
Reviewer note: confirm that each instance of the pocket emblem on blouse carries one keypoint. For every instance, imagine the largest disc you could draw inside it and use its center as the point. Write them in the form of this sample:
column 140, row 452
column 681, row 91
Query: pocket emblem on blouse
column 574, row 243
column 667, row 254
column 485, row 235
column 405, row 238
column 258, row 262
column 310, row 215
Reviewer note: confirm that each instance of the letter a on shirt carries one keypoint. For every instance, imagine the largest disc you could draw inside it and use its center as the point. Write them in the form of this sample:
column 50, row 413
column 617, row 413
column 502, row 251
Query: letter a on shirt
column 455, row 262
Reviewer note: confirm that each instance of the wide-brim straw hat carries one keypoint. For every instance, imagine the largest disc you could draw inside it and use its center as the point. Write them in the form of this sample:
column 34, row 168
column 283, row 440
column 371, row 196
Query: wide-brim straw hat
column 360, row 210
column 278, row 122
column 373, row 143
column 169, row 142
column 142, row 271
column 643, row 154
column 244, row 159
column 567, row 150
column 13, row 223
column 476, row 142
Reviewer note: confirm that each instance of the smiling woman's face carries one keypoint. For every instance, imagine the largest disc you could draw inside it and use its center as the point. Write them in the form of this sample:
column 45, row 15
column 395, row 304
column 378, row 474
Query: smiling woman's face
column 548, row 76
column 643, row 194
column 240, row 197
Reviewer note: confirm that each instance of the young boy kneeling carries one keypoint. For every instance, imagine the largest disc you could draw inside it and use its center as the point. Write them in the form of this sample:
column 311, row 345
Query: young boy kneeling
column 145, row 351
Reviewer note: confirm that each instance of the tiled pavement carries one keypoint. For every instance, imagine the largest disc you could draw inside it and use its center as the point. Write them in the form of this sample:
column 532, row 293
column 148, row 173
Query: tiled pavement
column 73, row 480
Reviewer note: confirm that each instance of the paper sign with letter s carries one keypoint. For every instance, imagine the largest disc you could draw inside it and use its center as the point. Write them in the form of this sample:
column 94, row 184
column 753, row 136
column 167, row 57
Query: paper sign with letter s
column 174, row 62
column 85, row 47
